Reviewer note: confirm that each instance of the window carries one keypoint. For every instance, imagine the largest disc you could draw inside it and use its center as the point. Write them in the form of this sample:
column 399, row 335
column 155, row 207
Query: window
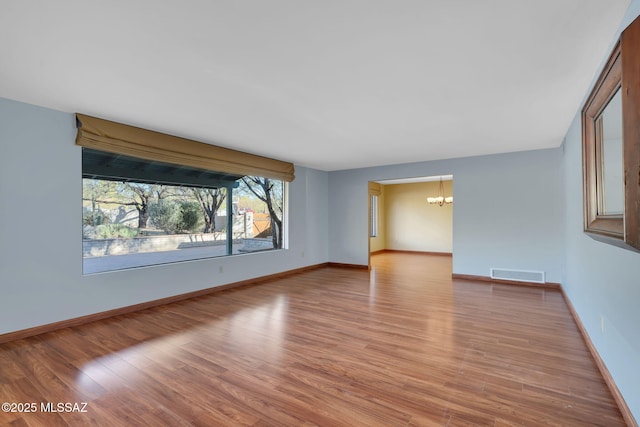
column 151, row 198
column 138, row 213
column 375, row 190
column 373, row 204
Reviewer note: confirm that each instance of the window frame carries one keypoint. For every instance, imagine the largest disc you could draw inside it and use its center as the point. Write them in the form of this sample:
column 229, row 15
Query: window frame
column 155, row 177
column 373, row 215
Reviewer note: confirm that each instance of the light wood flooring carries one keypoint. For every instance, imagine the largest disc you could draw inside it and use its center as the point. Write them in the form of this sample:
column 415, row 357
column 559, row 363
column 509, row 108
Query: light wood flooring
column 401, row 345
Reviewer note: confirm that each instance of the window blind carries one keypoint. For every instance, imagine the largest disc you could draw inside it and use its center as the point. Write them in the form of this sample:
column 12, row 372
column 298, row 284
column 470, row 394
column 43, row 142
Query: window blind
column 117, row 138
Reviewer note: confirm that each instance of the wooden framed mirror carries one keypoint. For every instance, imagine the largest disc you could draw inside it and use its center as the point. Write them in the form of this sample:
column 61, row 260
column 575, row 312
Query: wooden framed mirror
column 611, row 147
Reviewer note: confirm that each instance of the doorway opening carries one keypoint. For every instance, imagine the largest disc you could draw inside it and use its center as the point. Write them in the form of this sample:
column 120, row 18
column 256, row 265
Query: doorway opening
column 404, row 217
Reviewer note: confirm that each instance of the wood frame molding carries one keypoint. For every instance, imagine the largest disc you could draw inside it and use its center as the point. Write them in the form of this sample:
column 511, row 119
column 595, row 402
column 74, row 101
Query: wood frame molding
column 354, row 266
column 620, row 73
column 606, row 375
column 606, row 87
column 630, row 41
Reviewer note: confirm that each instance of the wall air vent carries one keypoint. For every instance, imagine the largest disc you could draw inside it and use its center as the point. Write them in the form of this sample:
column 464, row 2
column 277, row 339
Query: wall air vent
column 518, row 275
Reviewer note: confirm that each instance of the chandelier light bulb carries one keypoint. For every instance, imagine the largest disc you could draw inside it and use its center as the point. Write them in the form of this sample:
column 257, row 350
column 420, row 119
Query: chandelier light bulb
column 441, row 200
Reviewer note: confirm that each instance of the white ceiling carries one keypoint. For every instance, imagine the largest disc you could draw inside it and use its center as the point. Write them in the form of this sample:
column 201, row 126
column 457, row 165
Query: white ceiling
column 328, row 84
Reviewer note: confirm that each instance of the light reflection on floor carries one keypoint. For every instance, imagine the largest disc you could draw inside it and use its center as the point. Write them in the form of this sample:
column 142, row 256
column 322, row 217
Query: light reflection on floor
column 257, row 331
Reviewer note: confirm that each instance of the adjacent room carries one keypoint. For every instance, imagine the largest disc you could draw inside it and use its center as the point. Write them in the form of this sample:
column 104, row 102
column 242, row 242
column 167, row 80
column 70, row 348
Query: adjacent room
column 412, row 214
column 333, row 213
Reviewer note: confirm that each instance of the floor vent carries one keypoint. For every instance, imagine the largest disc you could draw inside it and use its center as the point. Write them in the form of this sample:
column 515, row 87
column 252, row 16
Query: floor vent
column 518, row 275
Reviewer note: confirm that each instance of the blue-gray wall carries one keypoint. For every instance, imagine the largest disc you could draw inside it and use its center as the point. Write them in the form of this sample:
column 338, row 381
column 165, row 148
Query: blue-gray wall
column 507, row 211
column 602, row 281
column 41, row 277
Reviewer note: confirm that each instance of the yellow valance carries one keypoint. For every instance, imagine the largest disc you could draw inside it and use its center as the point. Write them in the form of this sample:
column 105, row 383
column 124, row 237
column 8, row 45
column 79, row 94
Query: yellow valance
column 375, row 189
column 112, row 137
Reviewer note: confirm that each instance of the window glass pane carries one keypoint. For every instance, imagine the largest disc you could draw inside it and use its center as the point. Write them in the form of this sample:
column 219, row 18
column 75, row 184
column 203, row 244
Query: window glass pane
column 374, row 216
column 129, row 224
column 264, row 199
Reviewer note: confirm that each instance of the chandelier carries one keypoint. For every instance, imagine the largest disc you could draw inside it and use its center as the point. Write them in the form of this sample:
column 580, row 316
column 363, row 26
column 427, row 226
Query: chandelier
column 440, row 200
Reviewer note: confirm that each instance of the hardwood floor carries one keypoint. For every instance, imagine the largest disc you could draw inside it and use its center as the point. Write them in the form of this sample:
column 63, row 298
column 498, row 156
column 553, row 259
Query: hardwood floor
column 401, row 345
